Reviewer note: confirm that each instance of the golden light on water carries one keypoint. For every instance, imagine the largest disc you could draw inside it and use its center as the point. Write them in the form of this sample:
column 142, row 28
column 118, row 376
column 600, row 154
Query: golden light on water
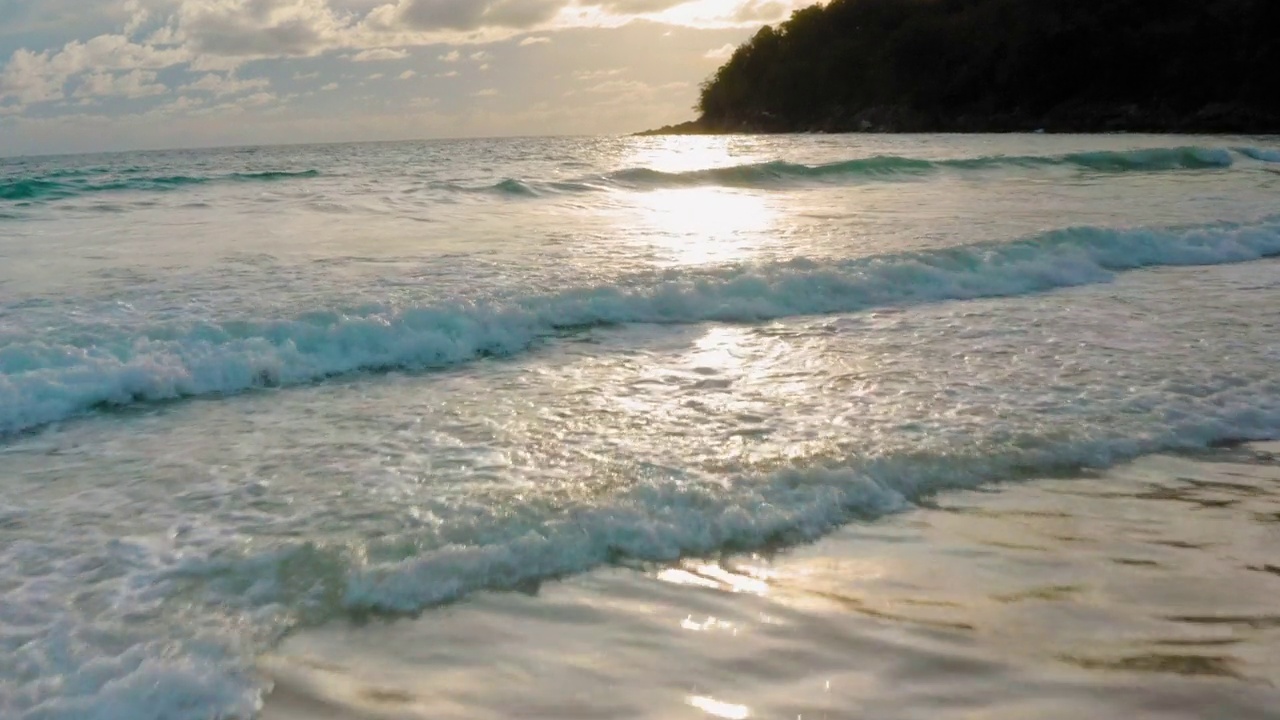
column 691, row 223
column 676, row 154
column 712, row 576
column 700, row 226
column 719, row 709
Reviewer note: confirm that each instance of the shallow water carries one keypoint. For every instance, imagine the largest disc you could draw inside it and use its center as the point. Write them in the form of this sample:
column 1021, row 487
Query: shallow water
column 1144, row 591
column 249, row 392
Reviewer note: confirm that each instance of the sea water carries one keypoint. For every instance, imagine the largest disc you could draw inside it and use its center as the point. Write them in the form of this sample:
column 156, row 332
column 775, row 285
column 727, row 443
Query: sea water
column 246, row 392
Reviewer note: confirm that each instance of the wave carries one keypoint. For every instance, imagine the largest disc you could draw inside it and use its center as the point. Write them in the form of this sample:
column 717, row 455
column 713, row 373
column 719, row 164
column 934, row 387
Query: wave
column 1263, row 154
column 880, row 167
column 1156, row 159
column 43, row 382
column 661, row 519
column 62, row 184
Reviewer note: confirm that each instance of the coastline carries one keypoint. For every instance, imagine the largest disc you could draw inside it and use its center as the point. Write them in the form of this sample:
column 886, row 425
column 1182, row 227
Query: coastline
column 1145, row 590
column 1071, row 119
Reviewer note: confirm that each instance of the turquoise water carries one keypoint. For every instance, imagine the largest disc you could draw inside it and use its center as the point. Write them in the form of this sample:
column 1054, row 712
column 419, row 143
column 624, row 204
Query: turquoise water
column 247, row 391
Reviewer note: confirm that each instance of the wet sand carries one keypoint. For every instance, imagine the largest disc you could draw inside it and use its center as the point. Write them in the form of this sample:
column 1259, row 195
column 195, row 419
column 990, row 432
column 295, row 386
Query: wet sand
column 1148, row 591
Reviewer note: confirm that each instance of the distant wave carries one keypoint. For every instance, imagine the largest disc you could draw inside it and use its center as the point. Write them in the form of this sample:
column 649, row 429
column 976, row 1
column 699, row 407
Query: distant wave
column 42, row 381
column 1156, row 159
column 1263, row 154
column 879, row 168
column 67, row 183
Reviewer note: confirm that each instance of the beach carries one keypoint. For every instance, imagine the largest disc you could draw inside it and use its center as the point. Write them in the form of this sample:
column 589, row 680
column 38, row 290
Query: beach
column 1146, row 591
column 763, row 426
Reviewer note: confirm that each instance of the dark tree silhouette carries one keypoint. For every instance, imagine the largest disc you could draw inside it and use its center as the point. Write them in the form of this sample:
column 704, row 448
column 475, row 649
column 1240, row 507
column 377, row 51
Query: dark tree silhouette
column 1071, row 65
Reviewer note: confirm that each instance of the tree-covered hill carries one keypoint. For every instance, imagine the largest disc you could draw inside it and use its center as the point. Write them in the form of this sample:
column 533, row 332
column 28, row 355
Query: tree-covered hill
column 991, row 65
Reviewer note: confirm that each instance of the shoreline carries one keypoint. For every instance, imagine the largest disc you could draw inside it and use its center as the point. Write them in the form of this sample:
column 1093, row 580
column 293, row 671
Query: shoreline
column 1143, row 590
column 1085, row 120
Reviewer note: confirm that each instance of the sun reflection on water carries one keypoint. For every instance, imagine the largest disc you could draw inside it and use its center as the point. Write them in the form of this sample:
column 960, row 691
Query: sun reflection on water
column 691, row 224
column 720, row 709
column 698, row 226
column 673, row 154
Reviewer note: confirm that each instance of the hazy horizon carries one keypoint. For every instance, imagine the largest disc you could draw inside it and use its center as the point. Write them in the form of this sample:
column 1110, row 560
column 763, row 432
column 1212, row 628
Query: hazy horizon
column 167, row 74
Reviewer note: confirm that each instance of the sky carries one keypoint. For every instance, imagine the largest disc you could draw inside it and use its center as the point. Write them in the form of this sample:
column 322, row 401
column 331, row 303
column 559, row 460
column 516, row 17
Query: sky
column 90, row 75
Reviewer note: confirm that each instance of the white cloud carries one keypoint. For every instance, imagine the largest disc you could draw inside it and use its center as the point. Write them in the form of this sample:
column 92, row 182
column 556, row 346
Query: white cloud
column 330, row 86
column 257, row 100
column 138, row 16
column 465, row 15
column 260, row 28
column 222, row 85
column 376, row 76
column 202, row 49
column 134, row 84
column 597, row 74
column 181, row 104
column 33, row 77
column 724, row 52
column 380, row 54
column 615, row 86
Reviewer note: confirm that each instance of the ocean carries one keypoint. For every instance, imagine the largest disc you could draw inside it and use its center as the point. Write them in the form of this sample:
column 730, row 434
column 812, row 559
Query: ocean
column 761, row 426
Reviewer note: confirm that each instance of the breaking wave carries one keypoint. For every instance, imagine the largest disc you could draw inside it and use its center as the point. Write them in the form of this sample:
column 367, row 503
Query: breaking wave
column 44, row 381
column 664, row 519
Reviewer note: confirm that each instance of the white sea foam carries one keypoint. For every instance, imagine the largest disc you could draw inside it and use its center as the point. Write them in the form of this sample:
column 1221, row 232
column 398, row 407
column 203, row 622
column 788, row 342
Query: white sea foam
column 44, row 381
column 665, row 519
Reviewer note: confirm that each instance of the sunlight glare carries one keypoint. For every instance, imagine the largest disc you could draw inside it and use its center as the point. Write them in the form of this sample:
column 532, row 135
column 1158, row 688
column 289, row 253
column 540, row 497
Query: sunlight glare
column 719, row 13
column 696, row 226
column 720, row 709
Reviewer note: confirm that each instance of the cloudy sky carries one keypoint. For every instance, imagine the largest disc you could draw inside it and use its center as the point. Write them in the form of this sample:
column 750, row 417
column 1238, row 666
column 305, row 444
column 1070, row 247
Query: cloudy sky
column 84, row 75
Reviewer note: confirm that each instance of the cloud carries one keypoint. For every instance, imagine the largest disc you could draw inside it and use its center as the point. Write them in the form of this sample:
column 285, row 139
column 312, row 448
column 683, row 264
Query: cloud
column 133, row 84
column 259, row 28
column 724, row 52
column 31, row 77
column 376, row 76
column 616, row 86
column 465, row 15
column 759, row 11
column 222, row 85
column 180, row 104
column 636, row 7
column 303, row 44
column 330, row 86
column 138, row 16
column 597, row 74
column 380, row 54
